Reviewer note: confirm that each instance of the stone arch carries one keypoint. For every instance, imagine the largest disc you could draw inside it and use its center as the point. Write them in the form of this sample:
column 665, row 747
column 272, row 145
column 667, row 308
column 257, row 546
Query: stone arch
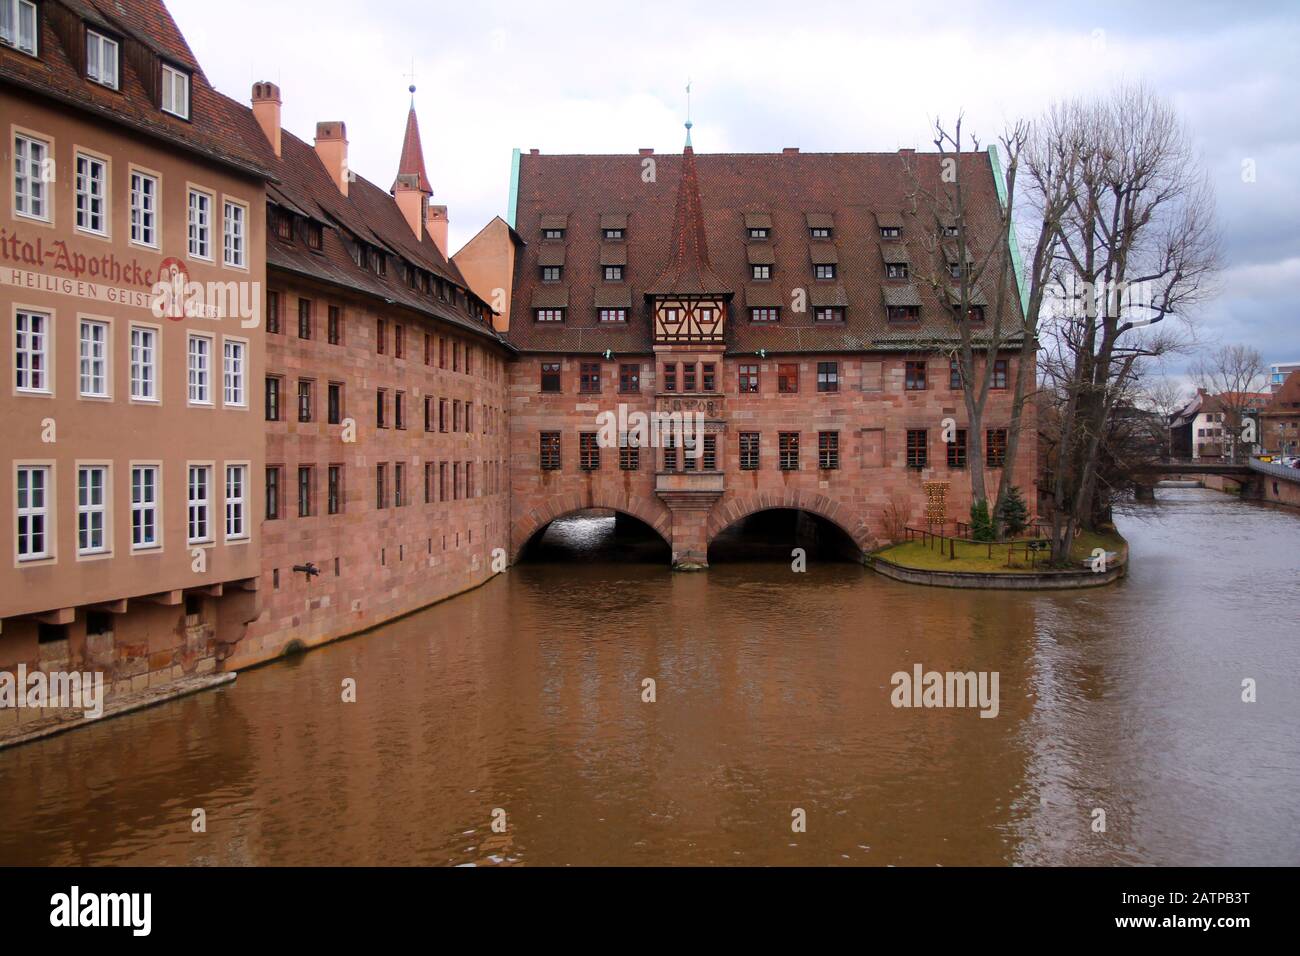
column 728, row 512
column 650, row 511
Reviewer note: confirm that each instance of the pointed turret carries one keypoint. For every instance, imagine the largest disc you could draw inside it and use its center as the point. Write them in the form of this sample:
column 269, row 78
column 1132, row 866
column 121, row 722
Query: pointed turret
column 410, row 170
column 688, row 272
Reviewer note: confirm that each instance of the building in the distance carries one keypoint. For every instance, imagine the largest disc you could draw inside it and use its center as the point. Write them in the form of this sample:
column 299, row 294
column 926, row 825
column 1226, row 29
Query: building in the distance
column 132, row 451
column 1280, row 419
column 1278, row 373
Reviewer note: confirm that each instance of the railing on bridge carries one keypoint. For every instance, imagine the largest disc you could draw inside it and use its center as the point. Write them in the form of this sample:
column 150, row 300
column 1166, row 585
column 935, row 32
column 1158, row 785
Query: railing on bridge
column 1276, row 470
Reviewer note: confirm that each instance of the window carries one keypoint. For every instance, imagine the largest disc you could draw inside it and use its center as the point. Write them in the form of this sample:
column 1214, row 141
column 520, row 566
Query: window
column 92, row 492
column 897, row 270
column 455, row 415
column 710, row 456
column 381, row 336
column 629, row 378
column 381, row 401
column 825, row 270
column 828, row 450
column 399, row 484
column 200, row 224
column 903, row 313
column 954, row 270
column 304, row 400
column 305, row 482
column 670, row 377
column 93, row 358
column 198, row 503
column 315, row 237
column 629, row 454
column 670, row 452
column 552, row 233
column 234, row 373
column 18, row 24
column 957, row 449
column 550, row 376
column 788, row 445
column 399, row 410
column 589, row 377
column 272, row 398
column 144, row 208
column 442, row 414
column 282, row 222
column 91, row 192
column 31, row 351
column 764, row 314
column 709, row 377
column 399, row 341
column 747, row 378
column 334, row 404
column 975, row 314
column 550, row 315
column 273, row 312
column 914, row 377
column 613, row 273
column 828, row 376
column 759, row 233
column 996, row 452
column 175, row 91
column 999, row 374
column 949, row 231
column 200, row 370
column 917, row 451
column 33, row 514
column 819, row 232
column 272, row 493
column 787, row 378
column 455, row 356
column 304, row 318
column 613, row 315
column 552, row 273
column 234, row 235
column 954, row 374
column 236, row 501
column 381, row 486
column 334, row 489
column 550, row 451
column 588, row 451
column 613, row 235
column 144, row 506
column 760, row 272
column 442, row 481
column 828, row 313
column 33, row 170
column 688, row 376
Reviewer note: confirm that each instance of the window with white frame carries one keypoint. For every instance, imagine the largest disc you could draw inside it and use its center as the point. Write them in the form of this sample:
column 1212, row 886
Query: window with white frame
column 200, row 224
column 92, row 187
column 200, row 370
column 101, row 59
column 93, row 358
column 175, row 91
column 233, row 235
column 31, row 351
column 144, row 209
column 32, row 170
column 236, row 489
column 199, row 504
column 18, row 24
column 144, row 364
column 234, row 371
column 144, row 506
column 92, row 509
column 33, row 512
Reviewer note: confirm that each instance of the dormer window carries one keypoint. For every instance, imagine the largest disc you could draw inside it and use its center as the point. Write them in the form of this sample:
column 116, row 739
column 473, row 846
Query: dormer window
column 552, row 273
column 758, row 233
column 950, row 231
column 831, row 313
column 18, row 25
column 175, row 91
column 613, row 273
column 896, row 270
column 819, row 232
column 954, row 270
column 283, row 225
column 555, row 234
column 613, row 235
column 761, row 272
column 903, row 313
column 825, row 270
column 101, row 59
column 891, row 232
column 315, row 238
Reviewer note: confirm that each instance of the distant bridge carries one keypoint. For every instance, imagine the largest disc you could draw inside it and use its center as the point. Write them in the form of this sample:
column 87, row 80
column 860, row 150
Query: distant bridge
column 1249, row 475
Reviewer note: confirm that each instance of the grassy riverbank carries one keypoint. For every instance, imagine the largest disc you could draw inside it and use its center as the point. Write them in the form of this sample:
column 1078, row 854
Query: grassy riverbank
column 975, row 557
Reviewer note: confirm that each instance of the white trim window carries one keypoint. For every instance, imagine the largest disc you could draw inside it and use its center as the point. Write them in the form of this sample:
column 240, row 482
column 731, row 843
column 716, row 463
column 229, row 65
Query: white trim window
column 92, row 509
column 200, row 224
column 234, row 373
column 31, row 351
column 101, row 59
column 233, row 241
column 92, row 186
column 93, row 338
column 200, row 370
column 199, row 504
column 144, row 364
column 144, row 209
column 175, row 92
column 32, row 173
column 18, row 24
column 144, row 506
column 33, row 512
column 236, row 499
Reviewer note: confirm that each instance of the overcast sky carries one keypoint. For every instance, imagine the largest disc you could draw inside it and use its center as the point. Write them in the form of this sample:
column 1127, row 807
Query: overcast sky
column 609, row 77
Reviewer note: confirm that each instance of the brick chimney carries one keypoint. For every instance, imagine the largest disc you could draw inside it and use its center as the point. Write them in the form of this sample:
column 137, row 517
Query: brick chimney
column 436, row 222
column 266, row 110
column 332, row 148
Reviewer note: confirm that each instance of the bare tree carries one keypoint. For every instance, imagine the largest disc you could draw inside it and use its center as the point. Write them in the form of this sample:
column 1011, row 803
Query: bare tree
column 1164, row 398
column 1234, row 375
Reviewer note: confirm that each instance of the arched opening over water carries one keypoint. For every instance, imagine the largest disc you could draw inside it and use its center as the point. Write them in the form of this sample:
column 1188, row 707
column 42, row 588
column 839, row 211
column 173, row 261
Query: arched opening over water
column 771, row 534
column 597, row 534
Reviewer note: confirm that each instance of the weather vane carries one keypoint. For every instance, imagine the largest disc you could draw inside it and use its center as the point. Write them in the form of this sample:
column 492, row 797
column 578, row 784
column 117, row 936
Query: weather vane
column 689, row 124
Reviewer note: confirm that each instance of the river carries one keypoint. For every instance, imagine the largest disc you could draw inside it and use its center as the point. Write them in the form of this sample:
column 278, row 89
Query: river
column 772, row 696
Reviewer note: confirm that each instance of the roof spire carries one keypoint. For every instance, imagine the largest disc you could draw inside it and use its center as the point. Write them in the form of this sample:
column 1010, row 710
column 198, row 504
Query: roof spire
column 689, row 124
column 688, row 271
column 410, row 169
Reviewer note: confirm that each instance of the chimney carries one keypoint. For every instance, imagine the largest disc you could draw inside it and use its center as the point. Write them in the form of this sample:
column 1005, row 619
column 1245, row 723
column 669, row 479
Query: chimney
column 790, row 151
column 332, row 148
column 266, row 110
column 436, row 223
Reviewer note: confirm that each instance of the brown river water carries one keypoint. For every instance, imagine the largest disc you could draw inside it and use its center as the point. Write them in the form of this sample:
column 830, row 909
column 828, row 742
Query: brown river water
column 772, row 694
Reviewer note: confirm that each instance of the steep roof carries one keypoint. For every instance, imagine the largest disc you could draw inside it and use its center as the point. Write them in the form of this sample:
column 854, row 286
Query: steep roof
column 669, row 238
column 1286, row 400
column 411, row 164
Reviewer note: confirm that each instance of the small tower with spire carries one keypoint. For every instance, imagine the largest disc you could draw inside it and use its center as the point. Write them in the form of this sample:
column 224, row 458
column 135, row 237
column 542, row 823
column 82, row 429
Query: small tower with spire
column 411, row 189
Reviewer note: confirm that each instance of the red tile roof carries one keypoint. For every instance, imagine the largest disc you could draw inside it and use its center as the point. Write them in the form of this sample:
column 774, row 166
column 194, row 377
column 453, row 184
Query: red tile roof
column 854, row 192
column 688, row 271
column 412, row 161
